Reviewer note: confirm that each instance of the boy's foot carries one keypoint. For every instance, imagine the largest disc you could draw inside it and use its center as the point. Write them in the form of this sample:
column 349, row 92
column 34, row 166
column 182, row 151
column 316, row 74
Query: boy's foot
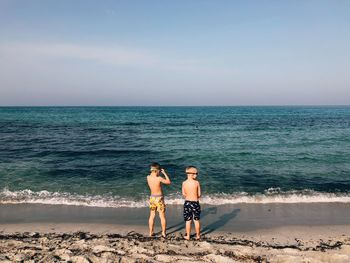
column 187, row 238
column 151, row 234
column 198, row 237
column 164, row 235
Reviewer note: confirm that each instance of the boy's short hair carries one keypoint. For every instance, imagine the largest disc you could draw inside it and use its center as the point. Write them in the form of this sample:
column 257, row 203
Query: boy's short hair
column 155, row 166
column 191, row 167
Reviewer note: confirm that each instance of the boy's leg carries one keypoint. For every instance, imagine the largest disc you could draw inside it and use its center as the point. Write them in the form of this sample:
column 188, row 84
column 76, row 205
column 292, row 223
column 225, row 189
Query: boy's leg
column 188, row 229
column 151, row 222
column 163, row 222
column 196, row 218
column 197, row 225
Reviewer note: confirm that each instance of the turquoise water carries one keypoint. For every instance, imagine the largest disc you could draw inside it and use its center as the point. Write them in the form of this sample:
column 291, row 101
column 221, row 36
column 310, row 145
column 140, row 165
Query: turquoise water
column 101, row 155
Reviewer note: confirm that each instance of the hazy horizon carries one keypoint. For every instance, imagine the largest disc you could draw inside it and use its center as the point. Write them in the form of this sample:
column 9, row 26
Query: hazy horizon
column 175, row 106
column 183, row 53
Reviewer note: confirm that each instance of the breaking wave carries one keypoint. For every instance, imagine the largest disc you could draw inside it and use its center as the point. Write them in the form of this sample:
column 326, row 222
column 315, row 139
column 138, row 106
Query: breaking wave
column 271, row 195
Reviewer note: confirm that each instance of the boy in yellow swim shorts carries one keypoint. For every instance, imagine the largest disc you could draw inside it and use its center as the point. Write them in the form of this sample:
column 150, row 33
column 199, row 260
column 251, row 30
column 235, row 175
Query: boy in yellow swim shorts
column 156, row 200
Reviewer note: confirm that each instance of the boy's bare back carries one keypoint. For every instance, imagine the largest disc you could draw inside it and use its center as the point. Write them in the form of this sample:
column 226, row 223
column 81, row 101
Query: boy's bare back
column 154, row 182
column 191, row 189
column 154, row 185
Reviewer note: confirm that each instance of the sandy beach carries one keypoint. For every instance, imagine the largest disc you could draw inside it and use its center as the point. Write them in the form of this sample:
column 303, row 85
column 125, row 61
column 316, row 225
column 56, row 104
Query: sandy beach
column 236, row 113
column 316, row 232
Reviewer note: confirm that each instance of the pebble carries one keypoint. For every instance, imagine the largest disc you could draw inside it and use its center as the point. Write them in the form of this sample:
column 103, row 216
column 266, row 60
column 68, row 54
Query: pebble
column 127, row 260
column 219, row 259
column 63, row 254
column 100, row 249
column 19, row 258
column 164, row 258
column 80, row 259
column 34, row 234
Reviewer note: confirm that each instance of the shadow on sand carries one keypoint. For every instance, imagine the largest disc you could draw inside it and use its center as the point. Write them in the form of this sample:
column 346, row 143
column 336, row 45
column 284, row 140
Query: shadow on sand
column 181, row 225
column 220, row 222
column 223, row 219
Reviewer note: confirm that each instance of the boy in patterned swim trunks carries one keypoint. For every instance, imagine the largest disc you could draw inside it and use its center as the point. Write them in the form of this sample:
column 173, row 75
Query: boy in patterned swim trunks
column 156, row 200
column 191, row 190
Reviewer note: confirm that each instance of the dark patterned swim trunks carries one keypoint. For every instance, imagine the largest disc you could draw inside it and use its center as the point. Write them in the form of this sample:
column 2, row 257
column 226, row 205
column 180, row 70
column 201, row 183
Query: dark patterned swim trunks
column 192, row 210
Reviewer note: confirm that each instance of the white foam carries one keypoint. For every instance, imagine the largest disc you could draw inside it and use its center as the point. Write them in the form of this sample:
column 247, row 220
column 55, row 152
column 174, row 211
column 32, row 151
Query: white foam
column 272, row 195
column 57, row 198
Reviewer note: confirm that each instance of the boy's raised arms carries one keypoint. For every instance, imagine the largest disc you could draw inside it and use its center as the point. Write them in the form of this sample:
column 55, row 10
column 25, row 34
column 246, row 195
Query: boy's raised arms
column 165, row 180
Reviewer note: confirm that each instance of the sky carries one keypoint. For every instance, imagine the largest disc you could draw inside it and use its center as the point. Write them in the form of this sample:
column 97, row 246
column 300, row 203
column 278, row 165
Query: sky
column 174, row 53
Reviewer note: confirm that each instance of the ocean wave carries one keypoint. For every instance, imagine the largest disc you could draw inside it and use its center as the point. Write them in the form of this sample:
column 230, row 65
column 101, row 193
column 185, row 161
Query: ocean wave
column 271, row 195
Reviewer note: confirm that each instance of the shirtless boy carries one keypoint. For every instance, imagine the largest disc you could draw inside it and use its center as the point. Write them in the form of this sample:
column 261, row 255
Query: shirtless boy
column 191, row 190
column 156, row 200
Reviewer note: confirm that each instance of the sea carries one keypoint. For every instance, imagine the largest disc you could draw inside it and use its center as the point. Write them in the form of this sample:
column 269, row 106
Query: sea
column 100, row 156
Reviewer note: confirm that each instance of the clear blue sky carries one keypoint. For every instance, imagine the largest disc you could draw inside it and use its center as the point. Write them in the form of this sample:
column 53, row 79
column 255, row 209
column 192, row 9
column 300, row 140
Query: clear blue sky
column 174, row 52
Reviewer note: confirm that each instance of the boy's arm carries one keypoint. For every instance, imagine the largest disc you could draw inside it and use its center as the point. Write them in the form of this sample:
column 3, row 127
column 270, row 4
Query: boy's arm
column 183, row 189
column 199, row 190
column 165, row 180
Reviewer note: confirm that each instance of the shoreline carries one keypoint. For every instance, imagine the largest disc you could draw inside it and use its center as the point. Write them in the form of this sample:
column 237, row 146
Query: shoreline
column 231, row 233
column 221, row 218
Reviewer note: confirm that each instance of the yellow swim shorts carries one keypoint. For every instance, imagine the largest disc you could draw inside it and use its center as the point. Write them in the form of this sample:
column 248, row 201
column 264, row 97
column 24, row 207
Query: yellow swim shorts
column 156, row 203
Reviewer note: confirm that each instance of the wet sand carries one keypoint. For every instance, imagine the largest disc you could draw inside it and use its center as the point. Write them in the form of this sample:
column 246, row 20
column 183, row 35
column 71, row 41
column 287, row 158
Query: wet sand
column 316, row 232
column 223, row 218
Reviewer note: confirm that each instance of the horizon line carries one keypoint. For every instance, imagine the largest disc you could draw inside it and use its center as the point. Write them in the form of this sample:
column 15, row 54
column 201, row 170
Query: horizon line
column 243, row 105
